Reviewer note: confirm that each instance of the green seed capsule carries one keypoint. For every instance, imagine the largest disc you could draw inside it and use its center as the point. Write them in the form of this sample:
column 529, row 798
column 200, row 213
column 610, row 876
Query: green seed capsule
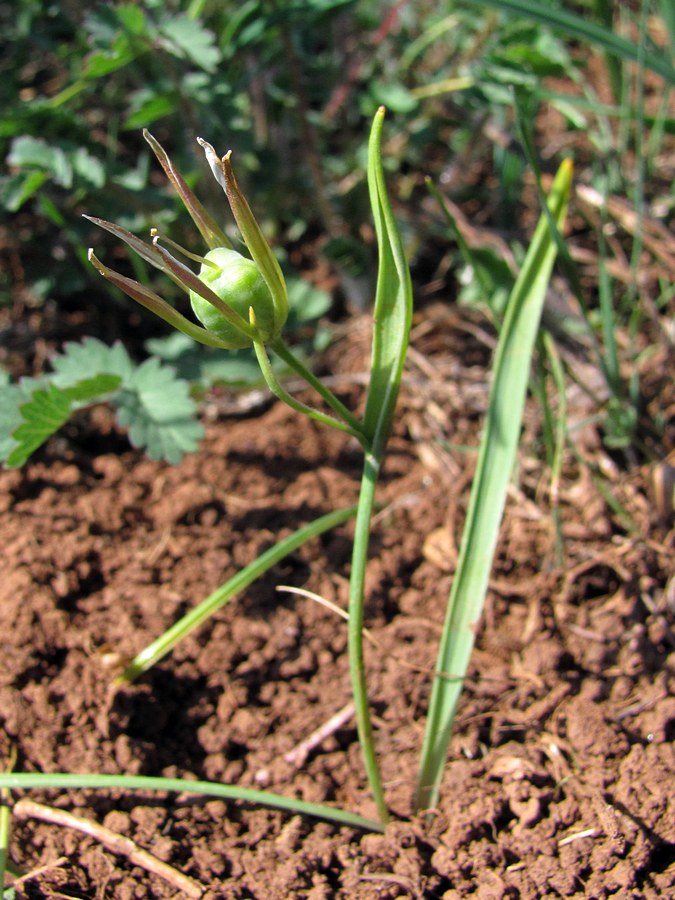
column 239, row 284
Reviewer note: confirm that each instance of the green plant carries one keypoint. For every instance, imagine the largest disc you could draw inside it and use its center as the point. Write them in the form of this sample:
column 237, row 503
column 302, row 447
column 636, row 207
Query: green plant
column 392, row 317
column 511, row 370
column 79, row 82
column 150, row 401
column 392, row 313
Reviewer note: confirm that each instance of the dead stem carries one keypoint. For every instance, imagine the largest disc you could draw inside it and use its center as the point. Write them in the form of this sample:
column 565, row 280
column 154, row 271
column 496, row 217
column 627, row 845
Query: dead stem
column 301, row 751
column 111, row 840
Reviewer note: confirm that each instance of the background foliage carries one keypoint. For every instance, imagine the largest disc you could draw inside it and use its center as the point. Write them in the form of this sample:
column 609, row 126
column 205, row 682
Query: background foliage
column 290, row 86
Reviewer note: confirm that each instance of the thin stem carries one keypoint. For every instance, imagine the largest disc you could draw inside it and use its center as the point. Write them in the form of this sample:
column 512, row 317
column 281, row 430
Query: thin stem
column 284, row 352
column 356, row 662
column 5, row 824
column 283, row 395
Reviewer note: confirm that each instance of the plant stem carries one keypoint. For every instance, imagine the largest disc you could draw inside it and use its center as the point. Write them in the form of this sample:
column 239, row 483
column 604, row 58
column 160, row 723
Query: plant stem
column 356, row 663
column 5, row 824
column 284, row 352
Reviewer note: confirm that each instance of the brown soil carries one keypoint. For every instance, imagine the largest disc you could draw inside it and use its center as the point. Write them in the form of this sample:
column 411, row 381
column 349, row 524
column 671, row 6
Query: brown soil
column 560, row 776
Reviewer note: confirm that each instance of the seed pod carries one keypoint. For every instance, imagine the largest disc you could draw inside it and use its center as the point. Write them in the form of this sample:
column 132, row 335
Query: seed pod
column 239, row 284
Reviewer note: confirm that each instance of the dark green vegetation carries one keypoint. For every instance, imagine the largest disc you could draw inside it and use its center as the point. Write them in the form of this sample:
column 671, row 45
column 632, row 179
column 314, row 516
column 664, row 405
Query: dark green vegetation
column 463, row 83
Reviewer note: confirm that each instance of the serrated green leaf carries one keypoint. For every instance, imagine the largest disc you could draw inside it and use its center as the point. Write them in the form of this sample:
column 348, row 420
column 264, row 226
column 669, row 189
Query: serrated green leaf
column 26, row 424
column 152, row 403
column 149, row 106
column 157, row 409
column 19, row 188
column 131, row 18
column 88, row 167
column 191, row 40
column 34, row 153
column 104, row 23
column 91, row 389
column 103, row 63
column 44, row 414
column 11, row 398
column 90, row 356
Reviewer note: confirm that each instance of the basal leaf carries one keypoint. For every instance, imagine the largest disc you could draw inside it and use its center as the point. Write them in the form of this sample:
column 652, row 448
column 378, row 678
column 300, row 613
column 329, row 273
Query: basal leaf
column 187, row 38
column 45, row 413
column 90, row 356
column 25, row 426
column 511, row 372
column 157, row 409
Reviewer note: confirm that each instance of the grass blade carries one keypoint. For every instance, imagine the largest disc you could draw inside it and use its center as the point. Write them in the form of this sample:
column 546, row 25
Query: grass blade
column 575, row 26
column 70, row 781
column 495, row 463
column 164, row 644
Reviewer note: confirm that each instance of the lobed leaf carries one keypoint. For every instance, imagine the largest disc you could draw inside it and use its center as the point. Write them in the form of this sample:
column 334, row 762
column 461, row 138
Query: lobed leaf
column 152, row 402
column 49, row 408
column 157, row 409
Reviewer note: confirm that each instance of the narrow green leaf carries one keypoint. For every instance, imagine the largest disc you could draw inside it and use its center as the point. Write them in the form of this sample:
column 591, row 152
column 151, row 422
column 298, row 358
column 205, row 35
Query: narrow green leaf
column 158, row 649
column 22, row 781
column 586, row 30
column 495, row 463
column 392, row 314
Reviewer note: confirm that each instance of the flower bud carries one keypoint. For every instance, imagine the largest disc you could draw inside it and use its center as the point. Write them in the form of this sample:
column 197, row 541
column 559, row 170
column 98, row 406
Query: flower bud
column 239, row 284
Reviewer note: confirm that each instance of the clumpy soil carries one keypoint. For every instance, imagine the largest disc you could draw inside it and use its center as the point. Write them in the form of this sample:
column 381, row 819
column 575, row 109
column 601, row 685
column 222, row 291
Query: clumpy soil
column 559, row 781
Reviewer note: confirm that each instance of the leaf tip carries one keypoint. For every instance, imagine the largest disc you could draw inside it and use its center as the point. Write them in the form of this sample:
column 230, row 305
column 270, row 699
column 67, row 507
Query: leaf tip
column 567, row 166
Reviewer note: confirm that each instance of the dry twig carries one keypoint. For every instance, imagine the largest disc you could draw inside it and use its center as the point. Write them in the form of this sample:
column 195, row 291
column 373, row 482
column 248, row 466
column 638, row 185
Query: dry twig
column 111, row 840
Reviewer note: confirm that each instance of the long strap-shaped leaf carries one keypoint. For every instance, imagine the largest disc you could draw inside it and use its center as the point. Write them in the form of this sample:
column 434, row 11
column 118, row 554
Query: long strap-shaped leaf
column 495, row 463
column 72, row 781
column 165, row 643
column 585, row 29
column 392, row 316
